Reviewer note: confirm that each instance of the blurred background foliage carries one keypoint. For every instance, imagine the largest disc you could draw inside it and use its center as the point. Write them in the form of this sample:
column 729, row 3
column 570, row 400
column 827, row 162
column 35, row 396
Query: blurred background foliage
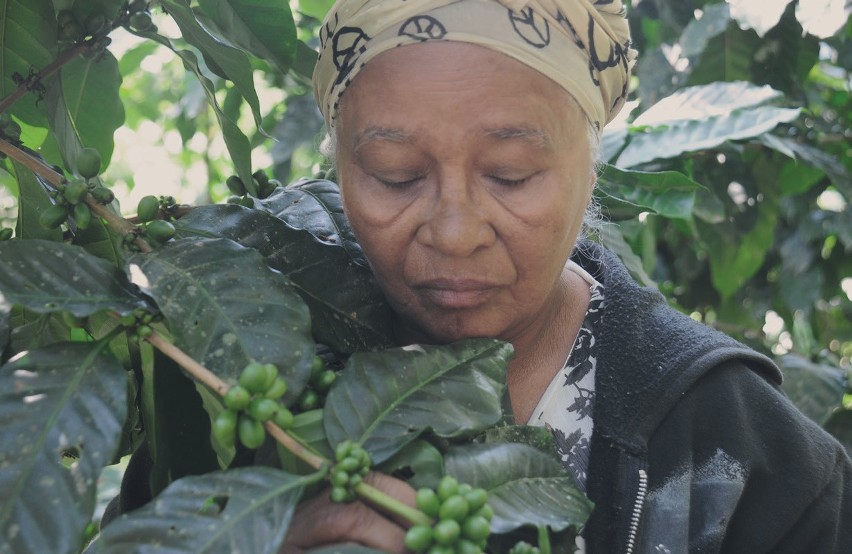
column 727, row 178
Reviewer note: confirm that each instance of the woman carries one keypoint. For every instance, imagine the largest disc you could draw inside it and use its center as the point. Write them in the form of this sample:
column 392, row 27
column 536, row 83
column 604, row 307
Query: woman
column 465, row 135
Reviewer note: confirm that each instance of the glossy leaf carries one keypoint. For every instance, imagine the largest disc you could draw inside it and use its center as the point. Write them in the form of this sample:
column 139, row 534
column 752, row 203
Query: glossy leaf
column 612, row 239
column 45, row 276
column 384, row 400
column 840, row 176
column 266, row 29
column 348, row 311
column 27, row 42
column 315, row 205
column 418, row 463
column 68, row 397
column 525, row 485
column 240, row 510
column 233, row 62
column 90, row 96
column 667, row 193
column 816, row 389
column 702, row 117
column 33, row 199
column 225, row 307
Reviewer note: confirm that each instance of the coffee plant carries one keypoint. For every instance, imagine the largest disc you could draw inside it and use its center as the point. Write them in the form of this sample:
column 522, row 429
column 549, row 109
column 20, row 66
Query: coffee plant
column 245, row 347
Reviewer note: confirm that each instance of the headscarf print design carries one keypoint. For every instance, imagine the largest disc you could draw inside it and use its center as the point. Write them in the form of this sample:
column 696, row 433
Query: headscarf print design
column 563, row 39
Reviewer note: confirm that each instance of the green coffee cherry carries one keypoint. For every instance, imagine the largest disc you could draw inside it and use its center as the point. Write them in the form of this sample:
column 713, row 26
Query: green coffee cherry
column 225, row 427
column 235, row 185
column 12, row 131
column 446, row 532
column 277, row 390
column 271, row 375
column 325, row 380
column 75, row 191
column 283, row 418
column 454, row 507
column 138, row 6
column 262, row 409
column 160, row 230
column 89, row 161
column 418, row 538
column 102, row 194
column 308, row 400
column 6, row 234
column 427, row 501
column 253, row 378
column 53, row 216
column 144, row 331
column 148, row 208
column 140, row 21
column 237, row 398
column 95, row 22
column 82, row 215
column 447, row 487
column 251, row 432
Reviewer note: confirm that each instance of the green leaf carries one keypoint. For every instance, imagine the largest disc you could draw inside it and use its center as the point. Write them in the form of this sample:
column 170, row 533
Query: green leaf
column 613, row 240
column 348, row 310
column 816, row 389
column 736, row 254
column 667, row 193
column 265, row 29
column 225, row 307
column 66, row 397
column 702, row 117
column 418, row 463
column 32, row 201
column 525, row 485
column 233, row 62
column 531, row 435
column 698, row 32
column 26, row 43
column 833, row 168
column 93, row 108
column 384, row 400
column 240, row 510
column 308, row 430
column 728, row 56
column 46, row 276
column 316, row 206
column 315, row 8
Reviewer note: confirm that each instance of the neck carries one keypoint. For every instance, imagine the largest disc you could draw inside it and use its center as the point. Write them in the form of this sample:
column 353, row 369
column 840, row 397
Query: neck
column 541, row 351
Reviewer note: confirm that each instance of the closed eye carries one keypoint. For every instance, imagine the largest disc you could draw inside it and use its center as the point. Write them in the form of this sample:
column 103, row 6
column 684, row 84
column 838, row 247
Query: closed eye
column 509, row 182
column 397, row 184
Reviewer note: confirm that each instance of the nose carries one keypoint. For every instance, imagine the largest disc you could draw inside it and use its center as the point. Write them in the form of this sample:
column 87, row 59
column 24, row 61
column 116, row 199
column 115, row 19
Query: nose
column 454, row 223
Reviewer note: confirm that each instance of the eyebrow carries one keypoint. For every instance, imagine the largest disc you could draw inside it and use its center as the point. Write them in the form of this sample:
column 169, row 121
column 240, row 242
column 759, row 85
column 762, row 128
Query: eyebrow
column 372, row 134
column 535, row 137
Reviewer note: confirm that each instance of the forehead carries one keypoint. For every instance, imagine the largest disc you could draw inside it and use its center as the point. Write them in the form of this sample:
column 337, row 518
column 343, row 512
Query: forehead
column 410, row 90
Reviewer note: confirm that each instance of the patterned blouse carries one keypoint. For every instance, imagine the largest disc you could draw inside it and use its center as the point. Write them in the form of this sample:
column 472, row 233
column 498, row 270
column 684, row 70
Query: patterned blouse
column 565, row 408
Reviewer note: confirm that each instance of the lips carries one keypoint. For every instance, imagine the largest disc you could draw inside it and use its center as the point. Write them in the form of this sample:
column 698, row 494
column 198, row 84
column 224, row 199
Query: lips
column 456, row 294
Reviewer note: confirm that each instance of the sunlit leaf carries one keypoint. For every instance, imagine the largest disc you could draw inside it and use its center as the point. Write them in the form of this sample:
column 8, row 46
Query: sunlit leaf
column 240, row 510
column 266, row 29
column 667, row 193
column 384, row 400
column 65, row 398
column 525, row 485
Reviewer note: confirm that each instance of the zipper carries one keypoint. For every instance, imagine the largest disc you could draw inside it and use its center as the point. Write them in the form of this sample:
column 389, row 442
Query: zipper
column 637, row 511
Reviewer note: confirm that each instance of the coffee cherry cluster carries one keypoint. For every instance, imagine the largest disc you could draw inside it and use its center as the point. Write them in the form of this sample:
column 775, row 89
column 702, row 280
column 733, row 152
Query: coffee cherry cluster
column 70, row 199
column 156, row 231
column 251, row 403
column 462, row 519
column 353, row 464
column 265, row 186
column 138, row 322
column 320, row 381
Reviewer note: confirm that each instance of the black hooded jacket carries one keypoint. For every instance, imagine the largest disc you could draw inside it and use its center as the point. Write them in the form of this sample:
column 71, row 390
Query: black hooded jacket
column 695, row 448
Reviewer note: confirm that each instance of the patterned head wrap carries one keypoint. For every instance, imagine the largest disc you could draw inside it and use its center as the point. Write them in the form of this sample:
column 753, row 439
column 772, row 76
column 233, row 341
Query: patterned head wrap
column 582, row 45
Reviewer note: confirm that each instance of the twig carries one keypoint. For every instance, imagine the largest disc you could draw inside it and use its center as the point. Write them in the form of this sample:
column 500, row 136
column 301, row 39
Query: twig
column 46, row 72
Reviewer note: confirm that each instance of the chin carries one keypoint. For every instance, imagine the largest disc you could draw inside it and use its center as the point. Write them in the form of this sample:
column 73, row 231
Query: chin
column 444, row 330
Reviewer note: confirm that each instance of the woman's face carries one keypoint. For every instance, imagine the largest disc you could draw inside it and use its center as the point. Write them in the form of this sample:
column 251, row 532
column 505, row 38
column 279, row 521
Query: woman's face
column 465, row 175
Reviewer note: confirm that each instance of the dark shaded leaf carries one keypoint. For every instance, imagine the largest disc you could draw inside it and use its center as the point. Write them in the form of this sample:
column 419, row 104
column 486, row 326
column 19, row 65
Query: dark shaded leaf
column 32, row 200
column 418, row 463
column 531, row 435
column 225, row 307
column 525, row 486
column 612, row 239
column 384, row 400
column 46, row 276
column 315, row 205
column 816, row 389
column 348, row 310
column 239, row 510
column 65, row 397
